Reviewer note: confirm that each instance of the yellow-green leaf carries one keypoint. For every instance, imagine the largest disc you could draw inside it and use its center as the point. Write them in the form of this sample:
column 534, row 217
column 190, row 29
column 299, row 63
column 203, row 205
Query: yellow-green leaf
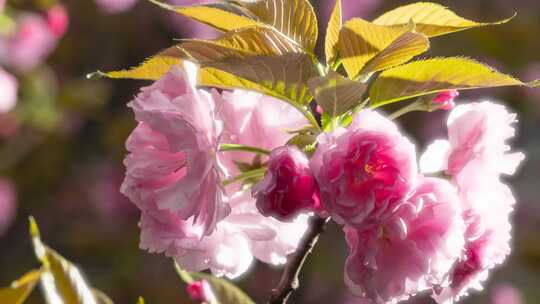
column 332, row 34
column 435, row 75
column 284, row 77
column 335, row 93
column 19, row 290
column 294, row 18
column 152, row 69
column 225, row 291
column 101, row 298
column 250, row 41
column 140, row 300
column 222, row 16
column 61, row 280
column 401, row 50
column 360, row 41
column 432, row 19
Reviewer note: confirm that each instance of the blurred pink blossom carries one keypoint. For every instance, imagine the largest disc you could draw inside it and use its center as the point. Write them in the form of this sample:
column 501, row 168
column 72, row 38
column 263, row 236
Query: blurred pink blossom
column 58, row 20
column 350, row 8
column 365, row 171
column 8, row 91
column 506, row 294
column 29, row 45
column 188, row 27
column 173, row 162
column 8, row 204
column 410, row 252
column 115, row 6
column 288, row 186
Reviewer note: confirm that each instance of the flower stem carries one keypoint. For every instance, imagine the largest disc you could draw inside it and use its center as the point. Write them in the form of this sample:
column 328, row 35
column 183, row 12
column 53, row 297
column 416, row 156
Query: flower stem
column 290, row 277
column 235, row 147
column 248, row 174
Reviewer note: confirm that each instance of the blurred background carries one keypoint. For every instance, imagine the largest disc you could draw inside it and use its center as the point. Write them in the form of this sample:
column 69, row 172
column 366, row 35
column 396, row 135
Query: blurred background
column 62, row 142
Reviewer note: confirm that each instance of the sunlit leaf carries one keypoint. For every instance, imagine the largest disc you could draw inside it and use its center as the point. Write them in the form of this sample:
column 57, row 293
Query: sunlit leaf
column 224, row 16
column 332, row 33
column 101, row 297
column 294, row 18
column 431, row 19
column 61, row 280
column 225, row 291
column 284, row 77
column 19, row 290
column 152, row 69
column 335, row 93
column 435, row 75
column 250, row 41
column 401, row 50
column 360, row 41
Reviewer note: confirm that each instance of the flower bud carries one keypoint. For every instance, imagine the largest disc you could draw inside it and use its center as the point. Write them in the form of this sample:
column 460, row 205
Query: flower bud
column 288, row 186
column 201, row 291
column 57, row 20
column 445, row 99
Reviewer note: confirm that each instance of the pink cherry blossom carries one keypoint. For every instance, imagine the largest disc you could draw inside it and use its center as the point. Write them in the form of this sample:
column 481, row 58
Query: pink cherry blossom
column 8, row 91
column 477, row 136
column 475, row 156
column 8, row 201
column 58, row 20
column 288, row 186
column 201, row 291
column 411, row 251
column 173, row 151
column 115, row 6
column 231, row 248
column 29, row 45
column 366, row 171
column 156, row 147
column 445, row 100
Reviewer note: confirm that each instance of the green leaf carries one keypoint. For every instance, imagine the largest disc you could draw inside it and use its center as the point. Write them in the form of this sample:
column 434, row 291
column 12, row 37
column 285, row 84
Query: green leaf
column 435, row 75
column 61, row 280
column 284, row 77
column 250, row 41
column 140, row 300
column 332, row 34
column 225, row 291
column 302, row 140
column 360, row 41
column 294, row 18
column 401, row 50
column 152, row 69
column 431, row 19
column 222, row 16
column 335, row 93
column 19, row 290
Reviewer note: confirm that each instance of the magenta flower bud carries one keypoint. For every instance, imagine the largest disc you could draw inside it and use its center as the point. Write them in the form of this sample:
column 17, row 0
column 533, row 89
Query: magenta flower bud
column 200, row 291
column 446, row 99
column 58, row 20
column 288, row 186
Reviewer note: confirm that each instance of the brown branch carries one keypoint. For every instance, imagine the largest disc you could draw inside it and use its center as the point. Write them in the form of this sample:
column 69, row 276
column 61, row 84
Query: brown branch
column 289, row 278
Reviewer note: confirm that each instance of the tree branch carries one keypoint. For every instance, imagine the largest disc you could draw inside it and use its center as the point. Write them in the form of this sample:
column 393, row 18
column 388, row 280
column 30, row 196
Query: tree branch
column 289, row 278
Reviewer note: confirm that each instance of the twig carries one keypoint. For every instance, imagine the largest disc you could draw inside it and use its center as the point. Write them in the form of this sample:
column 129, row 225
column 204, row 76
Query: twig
column 289, row 278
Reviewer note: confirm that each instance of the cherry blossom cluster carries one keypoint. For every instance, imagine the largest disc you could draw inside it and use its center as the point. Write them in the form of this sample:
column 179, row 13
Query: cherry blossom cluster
column 436, row 226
